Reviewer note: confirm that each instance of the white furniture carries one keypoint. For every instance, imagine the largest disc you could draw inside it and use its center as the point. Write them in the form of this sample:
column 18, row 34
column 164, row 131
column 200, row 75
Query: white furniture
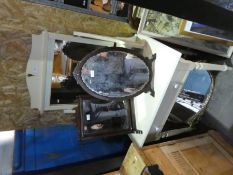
column 170, row 72
column 151, row 113
column 40, row 66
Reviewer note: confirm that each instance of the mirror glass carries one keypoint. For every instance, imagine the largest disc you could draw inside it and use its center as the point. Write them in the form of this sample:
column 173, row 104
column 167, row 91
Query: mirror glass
column 192, row 99
column 102, row 117
column 66, row 55
column 167, row 28
column 114, row 74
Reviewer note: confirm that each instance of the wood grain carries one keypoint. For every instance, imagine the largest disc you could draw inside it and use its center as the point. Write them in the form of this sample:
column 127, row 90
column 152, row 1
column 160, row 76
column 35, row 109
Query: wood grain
column 220, row 140
column 206, row 154
column 156, row 156
column 134, row 162
column 20, row 19
column 207, row 159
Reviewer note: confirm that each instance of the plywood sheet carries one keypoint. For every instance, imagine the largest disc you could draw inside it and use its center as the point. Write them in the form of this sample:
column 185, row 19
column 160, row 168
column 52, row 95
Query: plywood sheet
column 199, row 156
column 134, row 161
column 208, row 159
column 19, row 20
column 156, row 156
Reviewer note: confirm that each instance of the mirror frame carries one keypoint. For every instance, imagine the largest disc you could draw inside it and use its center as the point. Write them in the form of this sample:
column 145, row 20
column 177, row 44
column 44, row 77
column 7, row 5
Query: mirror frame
column 193, row 120
column 132, row 128
column 106, row 49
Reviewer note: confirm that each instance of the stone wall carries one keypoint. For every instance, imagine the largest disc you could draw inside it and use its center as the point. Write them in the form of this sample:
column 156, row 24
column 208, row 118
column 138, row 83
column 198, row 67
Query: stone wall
column 18, row 20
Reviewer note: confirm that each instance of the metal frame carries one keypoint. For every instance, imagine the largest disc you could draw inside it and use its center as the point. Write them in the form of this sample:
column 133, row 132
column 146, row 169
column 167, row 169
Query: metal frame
column 59, row 4
column 173, row 132
column 146, row 87
column 195, row 118
column 191, row 121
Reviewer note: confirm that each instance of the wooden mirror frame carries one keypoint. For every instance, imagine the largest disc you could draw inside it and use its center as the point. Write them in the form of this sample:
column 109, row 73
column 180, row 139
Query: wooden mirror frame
column 99, row 134
column 147, row 85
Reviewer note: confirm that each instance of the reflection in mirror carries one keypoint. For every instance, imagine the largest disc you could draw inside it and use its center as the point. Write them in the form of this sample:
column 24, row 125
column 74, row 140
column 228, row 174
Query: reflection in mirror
column 64, row 88
column 114, row 74
column 192, row 100
column 101, row 117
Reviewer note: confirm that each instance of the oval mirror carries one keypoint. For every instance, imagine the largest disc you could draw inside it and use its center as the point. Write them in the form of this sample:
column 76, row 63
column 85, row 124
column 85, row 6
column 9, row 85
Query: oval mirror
column 193, row 98
column 114, row 73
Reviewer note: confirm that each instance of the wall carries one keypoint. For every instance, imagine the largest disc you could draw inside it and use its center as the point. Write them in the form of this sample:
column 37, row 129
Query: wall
column 18, row 21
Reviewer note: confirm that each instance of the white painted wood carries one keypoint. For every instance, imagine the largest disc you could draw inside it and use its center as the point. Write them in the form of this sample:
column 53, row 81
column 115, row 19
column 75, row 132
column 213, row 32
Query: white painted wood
column 7, row 139
column 40, row 65
column 36, row 67
column 207, row 66
column 100, row 37
column 169, row 74
column 81, row 39
column 127, row 42
column 151, row 113
column 147, row 107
